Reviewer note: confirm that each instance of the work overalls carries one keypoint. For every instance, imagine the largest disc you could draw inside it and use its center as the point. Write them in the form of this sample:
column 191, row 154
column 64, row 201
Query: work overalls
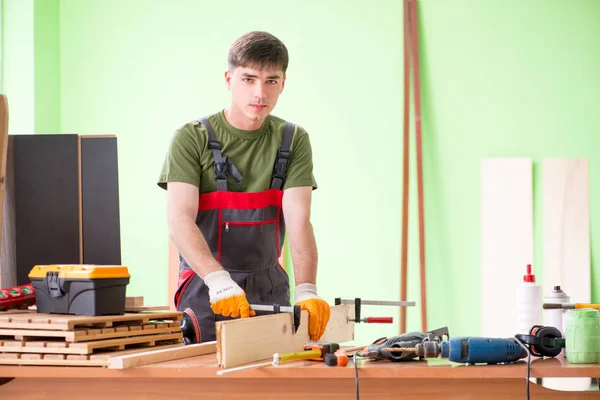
column 245, row 233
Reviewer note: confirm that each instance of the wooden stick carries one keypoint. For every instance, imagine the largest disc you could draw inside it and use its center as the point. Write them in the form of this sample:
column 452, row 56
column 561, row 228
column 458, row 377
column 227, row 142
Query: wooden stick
column 156, row 356
column 417, row 93
column 405, row 174
column 251, row 366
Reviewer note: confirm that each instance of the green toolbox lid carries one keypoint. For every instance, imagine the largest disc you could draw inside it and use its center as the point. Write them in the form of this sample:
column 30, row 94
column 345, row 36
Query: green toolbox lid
column 80, row 271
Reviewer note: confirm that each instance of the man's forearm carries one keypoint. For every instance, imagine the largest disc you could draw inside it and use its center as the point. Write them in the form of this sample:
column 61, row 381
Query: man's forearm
column 304, row 253
column 193, row 247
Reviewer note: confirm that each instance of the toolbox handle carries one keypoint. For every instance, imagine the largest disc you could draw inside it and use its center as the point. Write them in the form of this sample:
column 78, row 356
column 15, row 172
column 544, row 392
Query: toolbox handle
column 54, row 284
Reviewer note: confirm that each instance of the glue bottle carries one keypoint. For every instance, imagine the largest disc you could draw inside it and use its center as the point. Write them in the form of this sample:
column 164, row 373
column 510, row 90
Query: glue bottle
column 529, row 303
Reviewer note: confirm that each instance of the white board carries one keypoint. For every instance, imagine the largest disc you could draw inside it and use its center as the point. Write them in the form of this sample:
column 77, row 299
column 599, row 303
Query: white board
column 506, row 240
column 566, row 227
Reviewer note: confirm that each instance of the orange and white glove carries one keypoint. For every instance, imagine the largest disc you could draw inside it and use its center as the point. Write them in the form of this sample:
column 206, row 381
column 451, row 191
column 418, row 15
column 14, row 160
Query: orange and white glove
column 227, row 297
column 318, row 309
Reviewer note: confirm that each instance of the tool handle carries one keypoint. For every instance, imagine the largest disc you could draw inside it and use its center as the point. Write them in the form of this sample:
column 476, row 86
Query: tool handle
column 339, row 358
column 379, row 320
column 18, row 297
column 583, row 305
column 300, row 355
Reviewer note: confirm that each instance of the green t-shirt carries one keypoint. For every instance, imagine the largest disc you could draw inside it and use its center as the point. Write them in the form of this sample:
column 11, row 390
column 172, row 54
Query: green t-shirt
column 252, row 152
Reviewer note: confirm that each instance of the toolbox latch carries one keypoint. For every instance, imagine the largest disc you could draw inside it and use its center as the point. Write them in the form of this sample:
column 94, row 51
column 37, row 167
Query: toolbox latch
column 54, row 284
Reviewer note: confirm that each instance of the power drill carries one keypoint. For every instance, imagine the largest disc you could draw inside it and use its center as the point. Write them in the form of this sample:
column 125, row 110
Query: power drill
column 473, row 350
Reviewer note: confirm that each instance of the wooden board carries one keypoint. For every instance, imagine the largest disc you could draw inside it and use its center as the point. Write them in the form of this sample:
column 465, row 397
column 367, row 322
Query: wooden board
column 61, row 347
column 100, row 200
column 506, row 241
column 243, row 341
column 47, row 201
column 8, row 268
column 134, row 301
column 155, row 356
column 86, row 335
column 134, row 309
column 566, row 227
column 28, row 320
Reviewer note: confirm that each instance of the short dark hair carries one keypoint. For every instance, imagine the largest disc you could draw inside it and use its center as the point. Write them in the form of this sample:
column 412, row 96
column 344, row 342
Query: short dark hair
column 258, row 50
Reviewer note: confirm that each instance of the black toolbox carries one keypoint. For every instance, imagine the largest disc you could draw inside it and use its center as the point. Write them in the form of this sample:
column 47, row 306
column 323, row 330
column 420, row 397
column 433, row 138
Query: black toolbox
column 80, row 289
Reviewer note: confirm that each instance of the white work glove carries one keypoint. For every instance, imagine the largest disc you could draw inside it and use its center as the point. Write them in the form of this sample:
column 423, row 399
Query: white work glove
column 318, row 309
column 227, row 297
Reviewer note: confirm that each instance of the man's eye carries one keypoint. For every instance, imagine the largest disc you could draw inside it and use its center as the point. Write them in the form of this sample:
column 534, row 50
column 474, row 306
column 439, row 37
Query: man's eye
column 272, row 82
column 247, row 80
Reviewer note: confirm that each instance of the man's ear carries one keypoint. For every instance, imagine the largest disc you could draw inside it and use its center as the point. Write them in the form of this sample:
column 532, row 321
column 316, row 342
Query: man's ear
column 283, row 82
column 228, row 79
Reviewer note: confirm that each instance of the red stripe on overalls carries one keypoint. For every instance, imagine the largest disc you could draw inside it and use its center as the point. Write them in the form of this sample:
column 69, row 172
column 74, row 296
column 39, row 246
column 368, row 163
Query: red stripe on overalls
column 240, row 200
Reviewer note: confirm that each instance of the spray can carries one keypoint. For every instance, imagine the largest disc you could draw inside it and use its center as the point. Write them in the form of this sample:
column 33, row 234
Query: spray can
column 529, row 303
column 555, row 317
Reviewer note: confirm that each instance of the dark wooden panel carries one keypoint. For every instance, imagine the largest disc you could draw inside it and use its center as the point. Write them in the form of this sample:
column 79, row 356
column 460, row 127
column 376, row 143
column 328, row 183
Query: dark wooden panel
column 100, row 200
column 47, row 201
column 8, row 250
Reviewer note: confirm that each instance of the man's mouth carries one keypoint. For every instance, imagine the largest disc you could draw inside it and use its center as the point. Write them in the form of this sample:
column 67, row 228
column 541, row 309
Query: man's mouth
column 258, row 107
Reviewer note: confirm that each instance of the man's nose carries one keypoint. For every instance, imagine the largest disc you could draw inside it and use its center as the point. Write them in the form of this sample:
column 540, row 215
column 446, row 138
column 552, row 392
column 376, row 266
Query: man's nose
column 259, row 90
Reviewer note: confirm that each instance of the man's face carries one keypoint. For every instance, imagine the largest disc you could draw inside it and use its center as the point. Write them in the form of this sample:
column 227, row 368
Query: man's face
column 254, row 92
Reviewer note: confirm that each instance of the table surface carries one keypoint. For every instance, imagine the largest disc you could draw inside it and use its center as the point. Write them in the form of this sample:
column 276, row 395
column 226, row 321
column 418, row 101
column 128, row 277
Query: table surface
column 206, row 367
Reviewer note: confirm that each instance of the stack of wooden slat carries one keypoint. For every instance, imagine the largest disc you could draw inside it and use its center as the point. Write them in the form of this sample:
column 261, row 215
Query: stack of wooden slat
column 29, row 338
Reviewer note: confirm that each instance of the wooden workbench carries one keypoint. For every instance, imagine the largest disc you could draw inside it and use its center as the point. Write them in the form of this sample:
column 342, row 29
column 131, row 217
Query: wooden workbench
column 195, row 378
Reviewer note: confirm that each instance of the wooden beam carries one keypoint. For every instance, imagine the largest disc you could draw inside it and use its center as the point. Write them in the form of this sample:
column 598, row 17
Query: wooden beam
column 243, row 341
column 8, row 268
column 506, row 240
column 156, row 356
column 566, row 225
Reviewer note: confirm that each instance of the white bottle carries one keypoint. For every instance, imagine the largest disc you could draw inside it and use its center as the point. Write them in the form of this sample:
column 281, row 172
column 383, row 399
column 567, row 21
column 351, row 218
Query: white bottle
column 529, row 303
column 555, row 316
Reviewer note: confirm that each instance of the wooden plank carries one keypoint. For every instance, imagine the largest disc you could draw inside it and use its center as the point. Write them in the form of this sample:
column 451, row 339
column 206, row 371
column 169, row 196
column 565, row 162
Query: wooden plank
column 8, row 256
column 49, row 361
column 6, row 272
column 100, row 200
column 100, row 359
column 506, row 240
column 156, row 356
column 133, row 309
column 28, row 320
column 7, row 346
column 566, row 227
column 47, row 201
column 243, row 341
column 86, row 335
column 134, row 301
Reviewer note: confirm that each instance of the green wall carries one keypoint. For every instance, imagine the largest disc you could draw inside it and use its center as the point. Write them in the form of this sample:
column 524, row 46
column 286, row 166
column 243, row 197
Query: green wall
column 500, row 78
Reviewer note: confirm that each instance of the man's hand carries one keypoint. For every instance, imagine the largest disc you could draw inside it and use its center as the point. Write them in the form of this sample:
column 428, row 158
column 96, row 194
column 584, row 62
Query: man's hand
column 318, row 309
column 226, row 297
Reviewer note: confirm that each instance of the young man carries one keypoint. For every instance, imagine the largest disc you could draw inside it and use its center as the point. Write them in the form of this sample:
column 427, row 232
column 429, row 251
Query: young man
column 236, row 181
